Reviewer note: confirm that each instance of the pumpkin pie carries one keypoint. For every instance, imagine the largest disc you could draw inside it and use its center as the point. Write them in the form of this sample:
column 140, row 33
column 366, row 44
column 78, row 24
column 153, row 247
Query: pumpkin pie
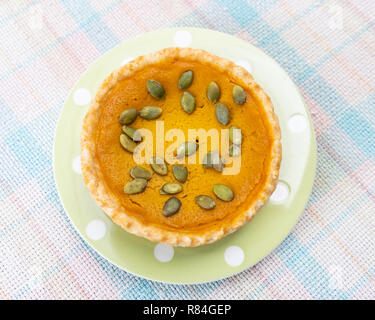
column 180, row 204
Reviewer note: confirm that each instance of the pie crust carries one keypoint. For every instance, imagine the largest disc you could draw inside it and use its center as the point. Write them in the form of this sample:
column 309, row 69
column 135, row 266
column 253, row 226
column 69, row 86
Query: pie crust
column 107, row 200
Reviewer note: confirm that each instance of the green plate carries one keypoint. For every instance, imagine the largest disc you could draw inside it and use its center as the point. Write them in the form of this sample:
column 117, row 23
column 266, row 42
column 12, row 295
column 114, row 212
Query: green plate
column 233, row 253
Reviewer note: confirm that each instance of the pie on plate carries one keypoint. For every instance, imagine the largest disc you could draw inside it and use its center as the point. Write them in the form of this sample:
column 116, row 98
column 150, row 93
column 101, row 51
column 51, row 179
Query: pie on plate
column 190, row 192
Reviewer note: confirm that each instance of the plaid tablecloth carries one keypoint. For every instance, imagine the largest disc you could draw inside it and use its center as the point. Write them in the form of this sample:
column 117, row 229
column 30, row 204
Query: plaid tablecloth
column 327, row 47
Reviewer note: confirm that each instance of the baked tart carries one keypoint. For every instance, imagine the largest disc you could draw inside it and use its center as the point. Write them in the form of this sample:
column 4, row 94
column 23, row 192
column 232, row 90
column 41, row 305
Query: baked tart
column 185, row 192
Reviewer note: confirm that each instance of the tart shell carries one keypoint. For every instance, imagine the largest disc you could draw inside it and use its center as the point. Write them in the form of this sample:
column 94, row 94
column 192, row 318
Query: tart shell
column 100, row 191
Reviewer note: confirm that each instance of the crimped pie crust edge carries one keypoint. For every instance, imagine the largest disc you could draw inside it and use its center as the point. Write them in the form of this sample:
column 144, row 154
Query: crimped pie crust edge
column 102, row 194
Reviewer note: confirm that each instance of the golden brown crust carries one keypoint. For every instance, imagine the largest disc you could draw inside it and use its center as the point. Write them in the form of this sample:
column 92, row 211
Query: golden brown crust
column 102, row 194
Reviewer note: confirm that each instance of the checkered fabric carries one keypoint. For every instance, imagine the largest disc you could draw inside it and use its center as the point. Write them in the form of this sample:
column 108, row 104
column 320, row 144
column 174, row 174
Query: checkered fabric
column 327, row 47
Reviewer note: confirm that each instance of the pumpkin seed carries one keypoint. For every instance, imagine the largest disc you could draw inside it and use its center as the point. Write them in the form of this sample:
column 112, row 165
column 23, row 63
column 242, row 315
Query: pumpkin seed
column 128, row 116
column 185, row 79
column 137, row 136
column 139, row 172
column 219, row 166
column 235, row 135
column 171, row 207
column 180, row 172
column 132, row 133
column 213, row 92
column 150, row 112
column 135, row 186
column 208, row 160
column 186, row 149
column 213, row 160
column 188, row 102
column 223, row 192
column 222, row 113
column 225, row 161
column 172, row 188
column 127, row 143
column 162, row 192
column 129, row 131
column 234, row 150
column 155, row 89
column 239, row 94
column 205, row 202
column 159, row 166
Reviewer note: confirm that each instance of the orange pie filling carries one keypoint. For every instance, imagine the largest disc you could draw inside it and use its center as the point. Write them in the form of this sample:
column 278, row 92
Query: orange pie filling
column 115, row 163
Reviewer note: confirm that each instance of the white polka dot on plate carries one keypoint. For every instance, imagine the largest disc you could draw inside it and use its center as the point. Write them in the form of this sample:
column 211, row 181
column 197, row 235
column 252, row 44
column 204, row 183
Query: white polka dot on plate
column 297, row 123
column 96, row 229
column 182, row 38
column 76, row 164
column 81, row 96
column 126, row 60
column 163, row 253
column 244, row 64
column 234, row 256
column 281, row 193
